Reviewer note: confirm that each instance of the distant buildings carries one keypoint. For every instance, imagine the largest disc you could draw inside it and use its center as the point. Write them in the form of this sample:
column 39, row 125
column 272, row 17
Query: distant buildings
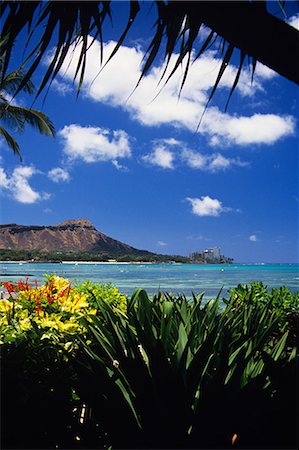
column 210, row 256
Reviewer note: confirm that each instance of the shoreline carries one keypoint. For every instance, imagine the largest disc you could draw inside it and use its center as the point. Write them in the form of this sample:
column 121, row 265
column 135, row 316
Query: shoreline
column 84, row 262
column 147, row 263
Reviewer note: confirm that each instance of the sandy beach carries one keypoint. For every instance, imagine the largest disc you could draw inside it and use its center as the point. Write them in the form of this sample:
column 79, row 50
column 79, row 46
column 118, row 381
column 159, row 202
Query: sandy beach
column 78, row 262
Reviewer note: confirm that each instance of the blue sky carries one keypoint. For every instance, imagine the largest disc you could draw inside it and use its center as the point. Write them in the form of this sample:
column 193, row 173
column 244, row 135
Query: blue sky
column 136, row 167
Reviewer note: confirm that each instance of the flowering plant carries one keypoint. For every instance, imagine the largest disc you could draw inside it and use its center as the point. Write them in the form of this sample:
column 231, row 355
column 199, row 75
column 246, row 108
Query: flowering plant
column 53, row 310
column 40, row 331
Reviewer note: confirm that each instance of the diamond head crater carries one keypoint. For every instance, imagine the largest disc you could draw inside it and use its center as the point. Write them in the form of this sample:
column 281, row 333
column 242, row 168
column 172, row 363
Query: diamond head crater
column 79, row 240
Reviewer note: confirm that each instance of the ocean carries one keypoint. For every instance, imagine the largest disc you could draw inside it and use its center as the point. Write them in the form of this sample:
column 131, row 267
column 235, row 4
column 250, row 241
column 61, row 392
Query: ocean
column 176, row 278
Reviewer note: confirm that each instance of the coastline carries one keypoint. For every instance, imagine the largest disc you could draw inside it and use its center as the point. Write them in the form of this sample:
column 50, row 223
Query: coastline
column 106, row 262
column 84, row 262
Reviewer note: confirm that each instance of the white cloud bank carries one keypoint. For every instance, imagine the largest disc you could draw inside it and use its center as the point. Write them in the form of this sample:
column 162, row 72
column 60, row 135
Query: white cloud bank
column 17, row 185
column 115, row 85
column 207, row 206
column 93, row 144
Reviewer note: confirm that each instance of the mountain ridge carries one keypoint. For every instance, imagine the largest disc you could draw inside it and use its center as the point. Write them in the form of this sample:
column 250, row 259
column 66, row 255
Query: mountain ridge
column 78, row 235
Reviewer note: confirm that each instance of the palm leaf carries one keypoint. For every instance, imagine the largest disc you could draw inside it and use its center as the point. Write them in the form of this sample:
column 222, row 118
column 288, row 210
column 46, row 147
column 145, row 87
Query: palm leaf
column 178, row 24
column 224, row 64
column 33, row 117
column 10, row 142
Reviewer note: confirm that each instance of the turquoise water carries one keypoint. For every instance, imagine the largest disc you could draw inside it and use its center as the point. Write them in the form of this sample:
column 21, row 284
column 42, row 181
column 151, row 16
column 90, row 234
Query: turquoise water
column 186, row 278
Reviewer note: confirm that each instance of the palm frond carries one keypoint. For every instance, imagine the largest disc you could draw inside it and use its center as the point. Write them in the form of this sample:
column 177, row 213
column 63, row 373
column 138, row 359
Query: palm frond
column 36, row 119
column 262, row 37
column 11, row 142
column 15, row 116
column 12, row 81
column 18, row 116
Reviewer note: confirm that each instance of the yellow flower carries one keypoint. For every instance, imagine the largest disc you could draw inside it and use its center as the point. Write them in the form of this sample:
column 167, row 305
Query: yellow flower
column 47, row 322
column 23, row 314
column 69, row 327
column 76, row 302
column 25, row 324
column 5, row 306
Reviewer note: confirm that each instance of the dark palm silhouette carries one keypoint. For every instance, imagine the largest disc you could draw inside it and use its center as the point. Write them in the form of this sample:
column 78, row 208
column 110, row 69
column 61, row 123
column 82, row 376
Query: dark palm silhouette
column 244, row 25
column 16, row 117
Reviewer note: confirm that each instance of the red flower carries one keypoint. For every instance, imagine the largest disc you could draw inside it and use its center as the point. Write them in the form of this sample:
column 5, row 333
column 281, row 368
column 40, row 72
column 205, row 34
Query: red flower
column 38, row 298
column 23, row 285
column 9, row 286
column 65, row 291
column 50, row 299
column 51, row 285
column 38, row 309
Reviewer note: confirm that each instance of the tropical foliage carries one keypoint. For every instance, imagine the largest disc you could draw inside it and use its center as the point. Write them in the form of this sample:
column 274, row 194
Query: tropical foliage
column 39, row 330
column 161, row 372
column 15, row 116
column 58, row 256
column 53, row 310
column 173, row 365
column 177, row 27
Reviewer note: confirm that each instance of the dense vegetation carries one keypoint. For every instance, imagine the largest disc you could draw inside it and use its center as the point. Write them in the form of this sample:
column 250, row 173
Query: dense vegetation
column 57, row 256
column 85, row 367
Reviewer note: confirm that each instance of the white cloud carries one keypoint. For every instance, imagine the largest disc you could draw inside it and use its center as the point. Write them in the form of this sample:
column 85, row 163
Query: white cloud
column 58, row 174
column 210, row 163
column 61, row 87
column 119, row 166
column 92, row 144
column 294, row 21
column 170, row 141
column 219, row 162
column 160, row 156
column 166, row 151
column 4, row 181
column 113, row 88
column 256, row 129
column 162, row 243
column 194, row 159
column 22, row 191
column 253, row 238
column 264, row 72
column 207, row 206
column 17, row 185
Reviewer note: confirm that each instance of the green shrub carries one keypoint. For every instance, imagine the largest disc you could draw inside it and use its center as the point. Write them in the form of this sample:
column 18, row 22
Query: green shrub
column 281, row 299
column 85, row 367
column 39, row 329
column 176, row 374
column 96, row 292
